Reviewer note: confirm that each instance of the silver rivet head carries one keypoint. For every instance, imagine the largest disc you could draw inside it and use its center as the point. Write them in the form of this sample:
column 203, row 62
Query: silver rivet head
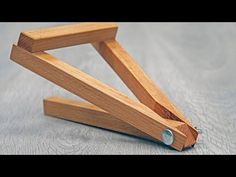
column 167, row 136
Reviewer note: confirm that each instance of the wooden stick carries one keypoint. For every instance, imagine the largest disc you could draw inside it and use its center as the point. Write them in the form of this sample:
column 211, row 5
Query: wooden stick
column 94, row 91
column 139, row 83
column 88, row 114
column 67, row 35
column 92, row 115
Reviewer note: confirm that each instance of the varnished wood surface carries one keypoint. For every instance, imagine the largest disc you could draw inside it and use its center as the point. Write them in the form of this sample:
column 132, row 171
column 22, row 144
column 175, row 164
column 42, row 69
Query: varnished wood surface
column 194, row 64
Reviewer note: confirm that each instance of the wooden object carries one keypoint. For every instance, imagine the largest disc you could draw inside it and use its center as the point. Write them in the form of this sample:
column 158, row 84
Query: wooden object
column 88, row 114
column 147, row 118
column 67, row 35
column 92, row 115
column 138, row 82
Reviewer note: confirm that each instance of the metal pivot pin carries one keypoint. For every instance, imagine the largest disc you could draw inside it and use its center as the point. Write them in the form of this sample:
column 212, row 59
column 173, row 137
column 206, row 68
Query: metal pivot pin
column 167, row 137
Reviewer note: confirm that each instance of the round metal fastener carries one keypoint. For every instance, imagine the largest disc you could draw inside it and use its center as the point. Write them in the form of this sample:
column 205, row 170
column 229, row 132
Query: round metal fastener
column 167, row 137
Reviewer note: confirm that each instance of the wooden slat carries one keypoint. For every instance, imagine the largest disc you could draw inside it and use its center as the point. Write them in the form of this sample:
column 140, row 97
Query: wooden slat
column 94, row 91
column 66, row 35
column 89, row 114
column 139, row 83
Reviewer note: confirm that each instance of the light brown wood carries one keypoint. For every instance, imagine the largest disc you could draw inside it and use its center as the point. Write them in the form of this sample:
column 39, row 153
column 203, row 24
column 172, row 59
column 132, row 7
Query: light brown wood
column 92, row 115
column 88, row 114
column 131, row 112
column 140, row 84
column 66, row 35
column 138, row 117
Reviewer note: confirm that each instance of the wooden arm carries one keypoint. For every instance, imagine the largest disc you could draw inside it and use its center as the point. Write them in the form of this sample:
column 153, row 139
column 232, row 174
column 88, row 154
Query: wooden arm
column 88, row 114
column 92, row 115
column 139, row 83
column 67, row 35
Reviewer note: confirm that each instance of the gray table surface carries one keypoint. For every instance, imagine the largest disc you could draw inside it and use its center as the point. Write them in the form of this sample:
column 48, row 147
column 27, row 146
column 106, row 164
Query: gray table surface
column 194, row 64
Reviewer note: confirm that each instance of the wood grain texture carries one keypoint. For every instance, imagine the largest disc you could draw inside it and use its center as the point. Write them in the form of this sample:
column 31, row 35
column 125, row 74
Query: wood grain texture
column 67, row 35
column 140, row 84
column 192, row 63
column 94, row 91
column 89, row 114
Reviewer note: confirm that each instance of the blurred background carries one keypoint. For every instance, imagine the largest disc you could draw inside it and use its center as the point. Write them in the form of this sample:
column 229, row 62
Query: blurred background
column 193, row 63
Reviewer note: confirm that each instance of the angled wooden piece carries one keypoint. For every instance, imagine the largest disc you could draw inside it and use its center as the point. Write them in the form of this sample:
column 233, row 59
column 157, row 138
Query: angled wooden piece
column 132, row 112
column 67, row 35
column 139, row 83
column 88, row 114
column 92, row 115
